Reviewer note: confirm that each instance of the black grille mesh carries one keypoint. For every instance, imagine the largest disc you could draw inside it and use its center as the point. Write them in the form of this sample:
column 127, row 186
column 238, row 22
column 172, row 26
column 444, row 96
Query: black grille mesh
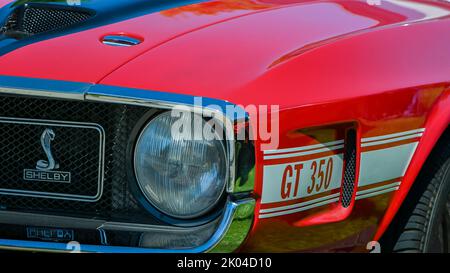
column 348, row 186
column 117, row 203
column 38, row 20
column 22, row 145
column 33, row 19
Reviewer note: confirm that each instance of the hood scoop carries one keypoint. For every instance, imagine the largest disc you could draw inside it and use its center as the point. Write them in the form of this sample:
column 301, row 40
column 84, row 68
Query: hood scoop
column 32, row 19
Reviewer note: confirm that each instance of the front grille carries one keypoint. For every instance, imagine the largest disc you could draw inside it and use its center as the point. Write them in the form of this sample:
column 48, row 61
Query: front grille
column 117, row 203
column 117, row 218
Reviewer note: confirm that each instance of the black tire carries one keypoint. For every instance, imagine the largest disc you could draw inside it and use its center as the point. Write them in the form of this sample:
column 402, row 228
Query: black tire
column 423, row 222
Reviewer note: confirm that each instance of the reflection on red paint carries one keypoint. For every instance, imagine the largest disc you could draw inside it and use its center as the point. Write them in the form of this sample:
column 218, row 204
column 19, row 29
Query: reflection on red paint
column 214, row 7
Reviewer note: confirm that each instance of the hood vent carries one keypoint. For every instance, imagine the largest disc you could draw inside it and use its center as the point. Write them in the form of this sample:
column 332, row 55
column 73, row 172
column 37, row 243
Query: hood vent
column 29, row 20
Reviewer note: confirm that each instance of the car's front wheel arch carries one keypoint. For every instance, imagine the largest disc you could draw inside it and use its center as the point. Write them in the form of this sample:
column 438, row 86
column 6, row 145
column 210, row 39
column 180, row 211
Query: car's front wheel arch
column 422, row 223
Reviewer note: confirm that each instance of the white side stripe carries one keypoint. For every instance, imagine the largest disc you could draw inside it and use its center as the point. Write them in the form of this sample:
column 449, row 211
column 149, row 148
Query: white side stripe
column 279, row 211
column 299, row 209
column 281, row 156
column 393, row 135
column 303, row 148
column 380, row 142
column 385, row 164
column 299, row 205
column 359, row 197
column 378, row 188
column 377, row 166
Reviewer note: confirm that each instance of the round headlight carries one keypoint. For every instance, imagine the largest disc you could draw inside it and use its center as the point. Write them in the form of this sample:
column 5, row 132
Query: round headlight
column 183, row 178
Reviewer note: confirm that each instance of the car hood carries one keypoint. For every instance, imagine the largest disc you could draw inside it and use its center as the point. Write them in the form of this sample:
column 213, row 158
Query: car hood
column 204, row 48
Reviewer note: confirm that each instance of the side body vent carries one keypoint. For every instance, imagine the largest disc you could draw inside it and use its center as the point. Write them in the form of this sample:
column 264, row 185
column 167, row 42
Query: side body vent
column 32, row 19
column 350, row 158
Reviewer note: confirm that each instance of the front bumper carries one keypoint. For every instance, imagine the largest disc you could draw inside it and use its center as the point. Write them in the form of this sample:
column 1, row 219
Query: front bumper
column 231, row 233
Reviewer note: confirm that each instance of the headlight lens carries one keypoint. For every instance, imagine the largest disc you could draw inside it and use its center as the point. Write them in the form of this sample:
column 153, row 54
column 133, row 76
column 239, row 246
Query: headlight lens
column 182, row 178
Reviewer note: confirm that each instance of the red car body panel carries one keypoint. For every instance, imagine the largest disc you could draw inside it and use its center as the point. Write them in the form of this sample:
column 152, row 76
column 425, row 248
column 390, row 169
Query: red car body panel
column 329, row 65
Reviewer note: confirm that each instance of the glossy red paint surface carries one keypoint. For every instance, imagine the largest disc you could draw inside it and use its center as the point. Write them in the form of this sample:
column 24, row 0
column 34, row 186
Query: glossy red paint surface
column 81, row 57
column 384, row 69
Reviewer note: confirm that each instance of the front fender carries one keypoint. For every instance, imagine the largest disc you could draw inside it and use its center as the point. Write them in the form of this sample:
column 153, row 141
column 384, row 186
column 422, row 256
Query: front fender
column 436, row 123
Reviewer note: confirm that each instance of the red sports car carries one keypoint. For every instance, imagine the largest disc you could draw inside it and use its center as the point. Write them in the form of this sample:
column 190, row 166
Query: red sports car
column 175, row 126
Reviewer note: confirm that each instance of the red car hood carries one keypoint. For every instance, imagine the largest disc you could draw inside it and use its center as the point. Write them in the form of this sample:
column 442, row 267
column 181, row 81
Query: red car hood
column 212, row 48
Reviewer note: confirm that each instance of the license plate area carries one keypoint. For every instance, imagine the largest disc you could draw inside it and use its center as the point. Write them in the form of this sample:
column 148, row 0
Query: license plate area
column 51, row 159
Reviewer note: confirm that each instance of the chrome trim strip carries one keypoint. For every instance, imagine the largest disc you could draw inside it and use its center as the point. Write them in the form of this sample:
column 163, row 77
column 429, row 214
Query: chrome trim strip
column 43, row 88
column 120, row 40
column 111, row 94
column 46, row 94
column 117, row 43
column 231, row 233
column 116, row 226
column 103, row 237
column 238, row 229
column 35, row 219
column 162, row 100
column 43, row 220
column 61, row 196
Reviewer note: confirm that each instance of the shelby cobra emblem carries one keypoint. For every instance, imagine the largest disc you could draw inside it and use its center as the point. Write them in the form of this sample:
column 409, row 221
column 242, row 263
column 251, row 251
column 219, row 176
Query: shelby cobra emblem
column 46, row 169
